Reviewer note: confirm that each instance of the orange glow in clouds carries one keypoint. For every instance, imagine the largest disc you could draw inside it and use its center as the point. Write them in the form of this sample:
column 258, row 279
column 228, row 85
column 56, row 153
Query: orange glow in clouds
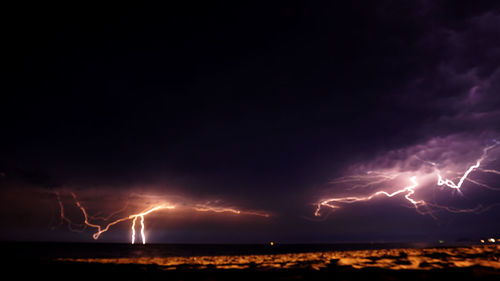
column 141, row 215
column 133, row 217
column 89, row 221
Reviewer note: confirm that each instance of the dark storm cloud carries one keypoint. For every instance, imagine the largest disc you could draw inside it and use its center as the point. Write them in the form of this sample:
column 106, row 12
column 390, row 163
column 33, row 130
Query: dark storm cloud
column 453, row 112
column 249, row 104
column 458, row 90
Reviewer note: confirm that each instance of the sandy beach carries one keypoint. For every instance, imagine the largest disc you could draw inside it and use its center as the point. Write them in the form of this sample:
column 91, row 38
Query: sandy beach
column 455, row 263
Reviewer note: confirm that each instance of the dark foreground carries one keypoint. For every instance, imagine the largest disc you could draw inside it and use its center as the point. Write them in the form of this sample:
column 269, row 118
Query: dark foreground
column 461, row 263
column 91, row 271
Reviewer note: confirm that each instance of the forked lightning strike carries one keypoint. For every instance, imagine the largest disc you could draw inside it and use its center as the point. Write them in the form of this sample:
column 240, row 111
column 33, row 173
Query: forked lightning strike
column 100, row 229
column 451, row 184
column 409, row 191
column 134, row 217
column 141, row 215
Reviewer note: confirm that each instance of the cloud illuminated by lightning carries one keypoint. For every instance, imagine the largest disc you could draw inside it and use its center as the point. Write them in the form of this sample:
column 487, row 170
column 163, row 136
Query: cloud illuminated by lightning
column 101, row 229
column 408, row 191
column 387, row 176
column 90, row 221
column 451, row 184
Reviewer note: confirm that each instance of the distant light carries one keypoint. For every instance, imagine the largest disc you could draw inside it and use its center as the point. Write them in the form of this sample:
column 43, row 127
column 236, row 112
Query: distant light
column 441, row 241
column 492, row 240
column 482, row 241
column 271, row 243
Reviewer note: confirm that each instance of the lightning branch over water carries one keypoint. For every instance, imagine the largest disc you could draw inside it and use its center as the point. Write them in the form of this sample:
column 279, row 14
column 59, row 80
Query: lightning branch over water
column 141, row 215
column 423, row 207
column 101, row 229
column 136, row 218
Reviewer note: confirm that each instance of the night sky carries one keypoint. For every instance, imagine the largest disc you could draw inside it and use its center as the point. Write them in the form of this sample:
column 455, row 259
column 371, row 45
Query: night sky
column 267, row 108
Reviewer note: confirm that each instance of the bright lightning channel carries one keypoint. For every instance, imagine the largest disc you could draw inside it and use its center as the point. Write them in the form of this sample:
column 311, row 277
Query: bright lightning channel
column 451, row 184
column 134, row 217
column 409, row 190
column 101, row 230
column 333, row 203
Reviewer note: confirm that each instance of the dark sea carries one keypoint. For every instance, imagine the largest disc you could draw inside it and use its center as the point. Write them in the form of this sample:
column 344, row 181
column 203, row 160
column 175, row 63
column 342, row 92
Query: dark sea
column 49, row 250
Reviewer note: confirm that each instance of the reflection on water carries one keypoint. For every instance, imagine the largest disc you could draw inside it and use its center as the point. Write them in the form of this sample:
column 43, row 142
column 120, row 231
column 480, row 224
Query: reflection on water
column 486, row 256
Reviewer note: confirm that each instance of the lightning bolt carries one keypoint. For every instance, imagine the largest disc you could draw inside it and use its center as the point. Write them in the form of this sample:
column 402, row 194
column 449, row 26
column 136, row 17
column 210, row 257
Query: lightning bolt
column 64, row 218
column 490, row 171
column 88, row 221
column 457, row 186
column 142, row 215
column 206, row 208
column 101, row 229
column 409, row 191
column 203, row 208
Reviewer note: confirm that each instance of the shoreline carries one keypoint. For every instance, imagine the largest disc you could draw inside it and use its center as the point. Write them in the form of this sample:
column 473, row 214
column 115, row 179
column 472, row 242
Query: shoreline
column 394, row 259
column 480, row 262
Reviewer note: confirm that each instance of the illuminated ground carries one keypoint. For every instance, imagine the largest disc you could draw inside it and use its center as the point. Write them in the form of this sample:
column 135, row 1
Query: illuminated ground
column 487, row 256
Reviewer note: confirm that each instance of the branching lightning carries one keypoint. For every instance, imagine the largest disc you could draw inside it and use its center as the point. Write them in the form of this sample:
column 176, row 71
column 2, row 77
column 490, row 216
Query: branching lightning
column 89, row 221
column 101, row 229
column 206, row 208
column 490, row 171
column 457, row 186
column 408, row 191
column 141, row 215
column 421, row 206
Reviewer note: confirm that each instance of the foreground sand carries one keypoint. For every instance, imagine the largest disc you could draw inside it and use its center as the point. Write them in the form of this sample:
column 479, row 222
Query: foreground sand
column 461, row 263
column 395, row 259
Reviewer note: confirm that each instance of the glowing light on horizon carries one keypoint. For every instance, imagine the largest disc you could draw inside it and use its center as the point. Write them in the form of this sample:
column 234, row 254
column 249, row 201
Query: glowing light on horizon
column 409, row 191
column 100, row 229
column 141, row 215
